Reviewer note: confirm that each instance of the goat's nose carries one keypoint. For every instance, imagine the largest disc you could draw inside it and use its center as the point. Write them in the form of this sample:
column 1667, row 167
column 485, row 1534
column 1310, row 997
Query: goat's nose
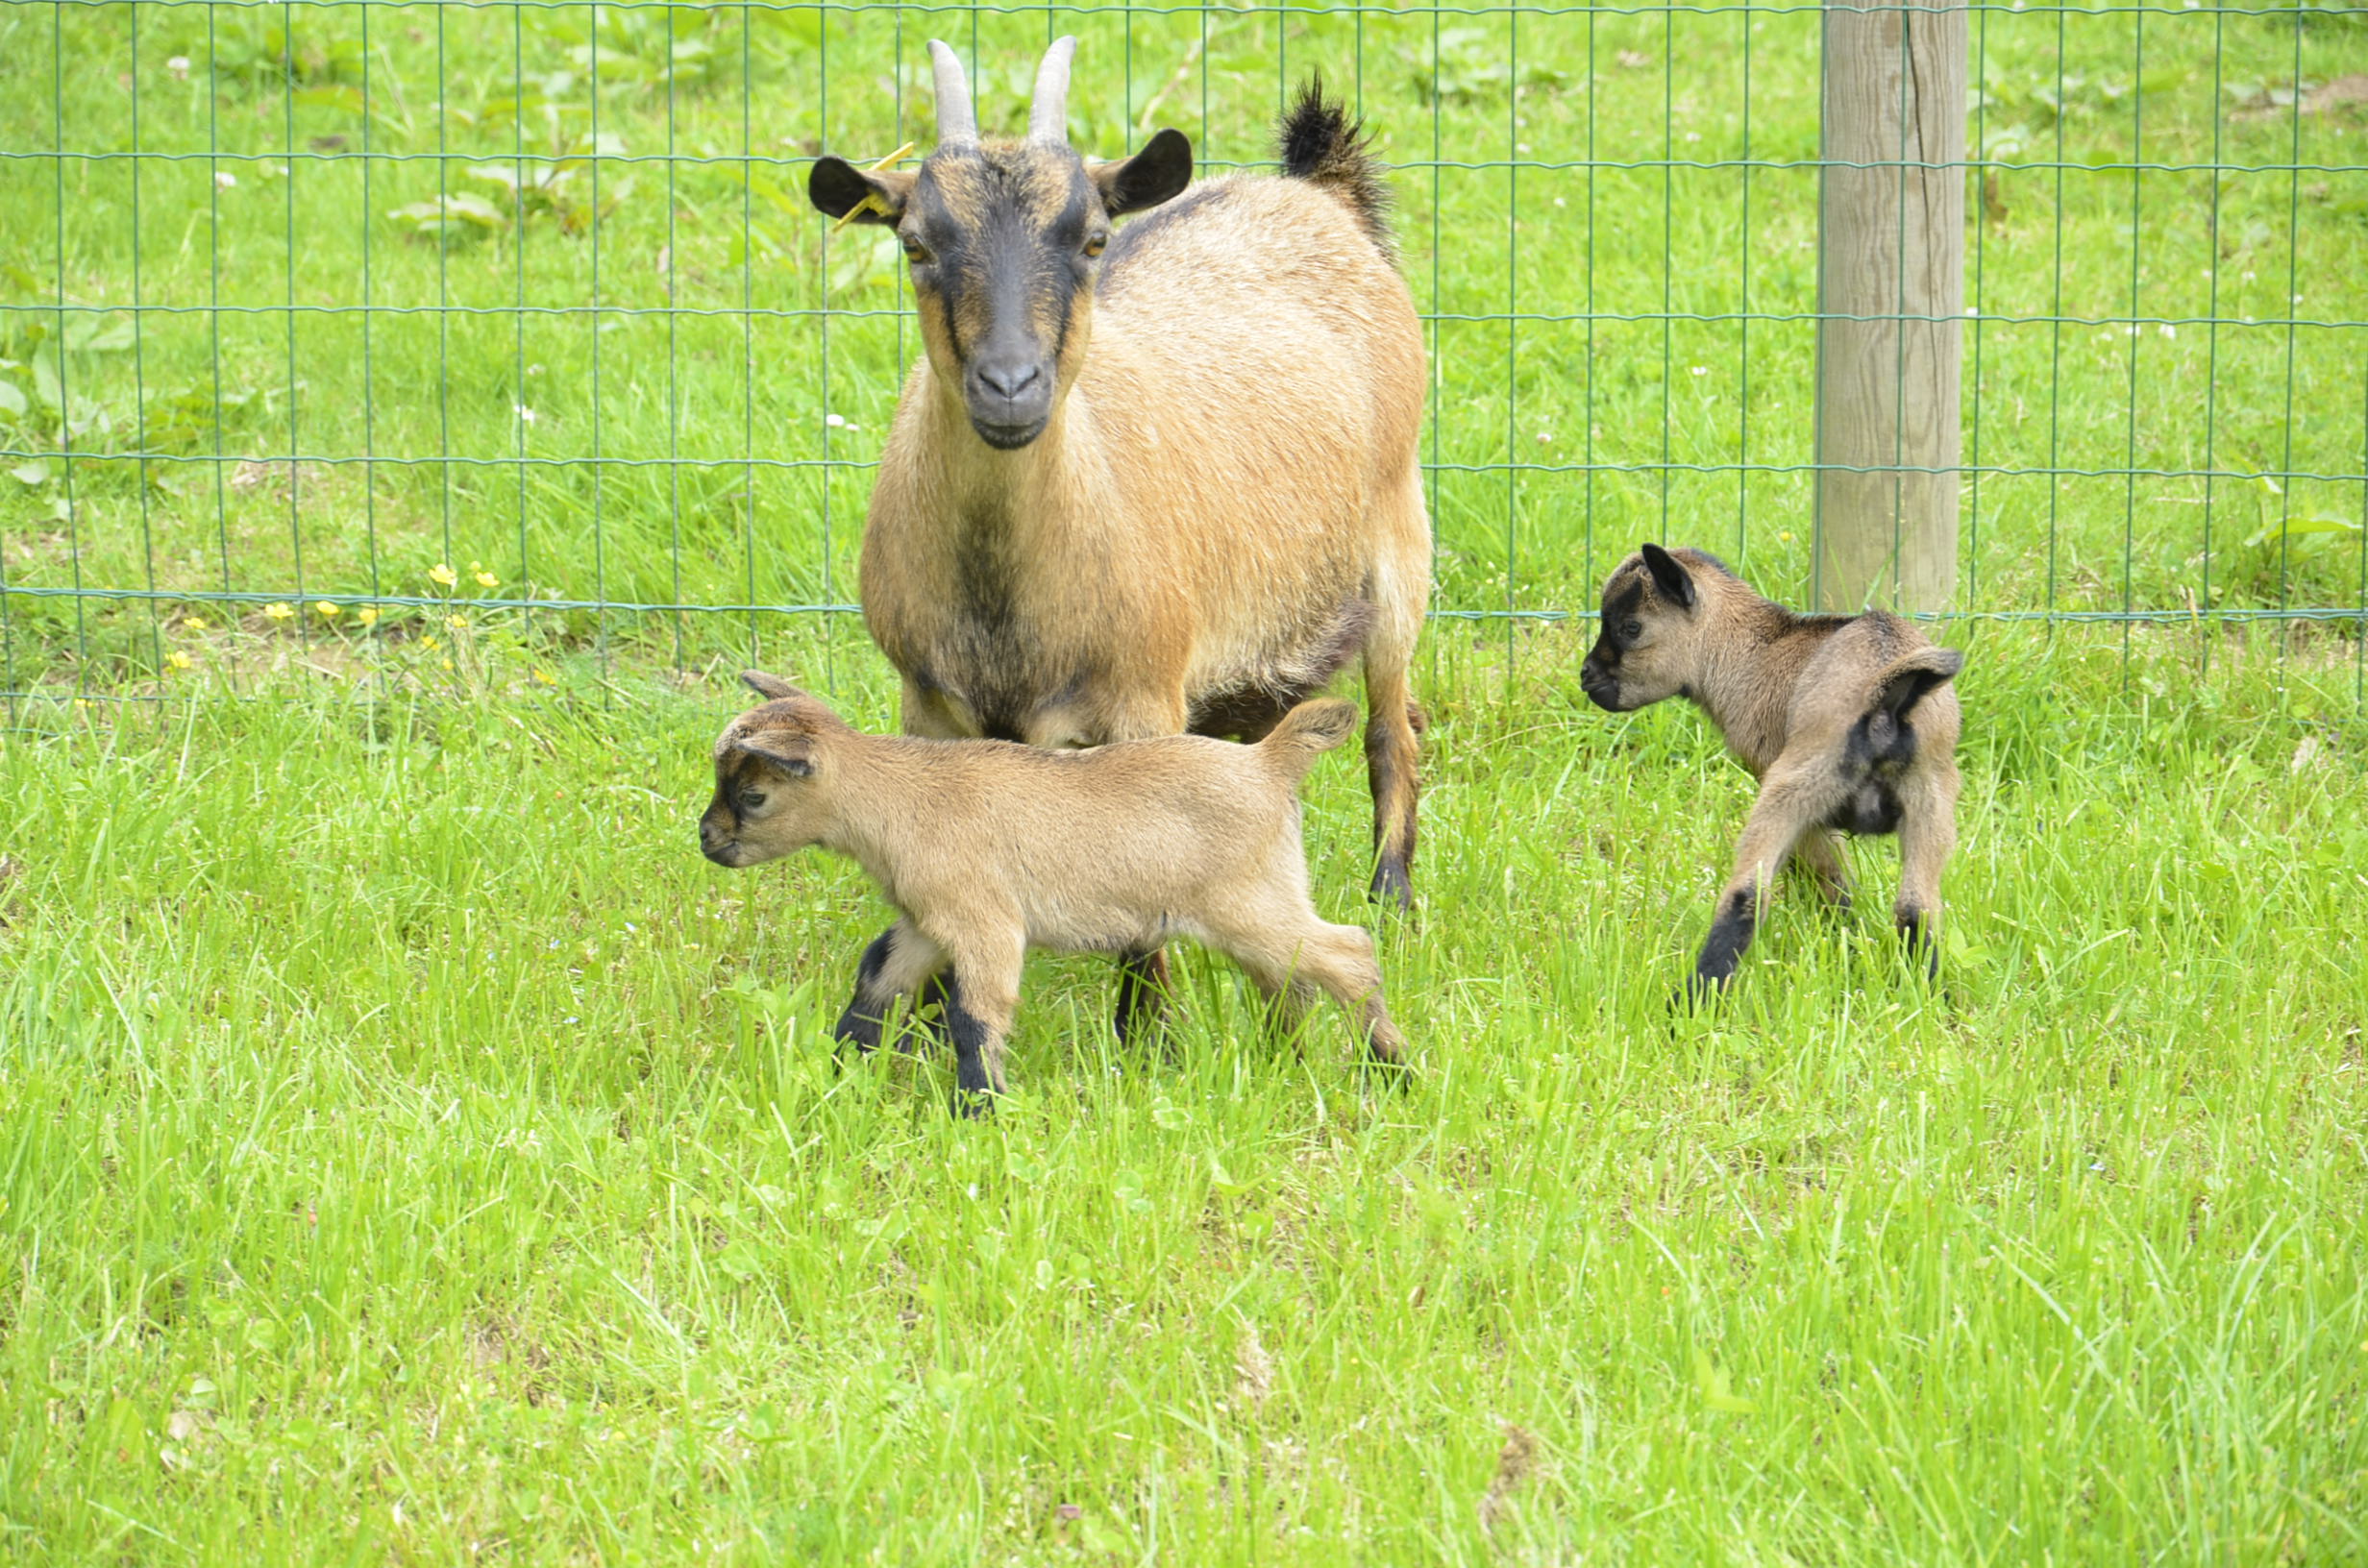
column 1010, row 381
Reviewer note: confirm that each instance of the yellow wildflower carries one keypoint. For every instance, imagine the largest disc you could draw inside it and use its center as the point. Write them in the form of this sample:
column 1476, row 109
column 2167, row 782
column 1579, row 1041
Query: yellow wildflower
column 459, row 622
column 545, row 676
column 429, row 643
column 486, row 579
column 195, row 622
column 179, row 660
column 279, row 612
column 443, row 575
column 367, row 615
column 327, row 611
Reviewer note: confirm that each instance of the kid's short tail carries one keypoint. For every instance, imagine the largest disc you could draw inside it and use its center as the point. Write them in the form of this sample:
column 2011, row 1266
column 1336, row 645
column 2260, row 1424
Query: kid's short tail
column 1308, row 731
column 1906, row 683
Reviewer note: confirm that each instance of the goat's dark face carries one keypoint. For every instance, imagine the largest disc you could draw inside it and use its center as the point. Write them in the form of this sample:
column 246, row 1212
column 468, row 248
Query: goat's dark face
column 1004, row 240
column 766, row 801
column 772, row 779
column 1650, row 646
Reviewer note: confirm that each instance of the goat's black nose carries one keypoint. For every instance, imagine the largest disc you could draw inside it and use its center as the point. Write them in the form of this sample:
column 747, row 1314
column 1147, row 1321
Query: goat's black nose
column 1010, row 381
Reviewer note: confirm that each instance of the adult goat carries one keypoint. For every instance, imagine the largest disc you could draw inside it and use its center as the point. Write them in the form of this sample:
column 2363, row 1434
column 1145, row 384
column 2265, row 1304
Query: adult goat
column 1153, row 482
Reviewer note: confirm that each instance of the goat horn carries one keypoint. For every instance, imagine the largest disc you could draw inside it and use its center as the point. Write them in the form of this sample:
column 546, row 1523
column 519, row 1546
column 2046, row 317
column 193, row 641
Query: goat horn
column 1048, row 113
column 956, row 125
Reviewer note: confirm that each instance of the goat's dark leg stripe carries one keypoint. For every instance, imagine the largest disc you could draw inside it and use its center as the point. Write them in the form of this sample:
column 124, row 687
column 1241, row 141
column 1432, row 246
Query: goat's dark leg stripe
column 1143, row 989
column 1730, row 934
column 970, row 1043
column 860, row 1025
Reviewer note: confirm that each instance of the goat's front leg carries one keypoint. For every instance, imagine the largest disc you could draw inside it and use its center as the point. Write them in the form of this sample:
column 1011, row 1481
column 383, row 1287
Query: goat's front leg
column 981, row 1001
column 1789, row 805
column 899, row 961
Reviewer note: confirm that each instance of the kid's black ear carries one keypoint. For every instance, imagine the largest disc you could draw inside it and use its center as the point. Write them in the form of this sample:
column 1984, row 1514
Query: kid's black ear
column 771, row 688
column 791, row 754
column 837, row 187
column 1156, row 173
column 1670, row 575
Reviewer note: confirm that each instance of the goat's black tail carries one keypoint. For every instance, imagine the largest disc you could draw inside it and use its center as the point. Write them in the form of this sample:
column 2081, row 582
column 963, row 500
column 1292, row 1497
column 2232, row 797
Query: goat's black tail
column 1321, row 145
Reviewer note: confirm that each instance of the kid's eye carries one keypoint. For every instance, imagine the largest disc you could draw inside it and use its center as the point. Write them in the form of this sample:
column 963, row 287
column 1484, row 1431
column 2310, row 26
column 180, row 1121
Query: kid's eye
column 1634, row 629
column 751, row 799
column 915, row 251
column 1096, row 245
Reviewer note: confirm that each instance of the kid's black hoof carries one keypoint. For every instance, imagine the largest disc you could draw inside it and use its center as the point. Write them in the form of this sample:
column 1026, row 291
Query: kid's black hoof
column 854, row 1030
column 1699, row 995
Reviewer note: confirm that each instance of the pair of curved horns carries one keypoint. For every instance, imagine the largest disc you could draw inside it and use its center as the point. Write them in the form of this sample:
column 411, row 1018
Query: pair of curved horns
column 1048, row 114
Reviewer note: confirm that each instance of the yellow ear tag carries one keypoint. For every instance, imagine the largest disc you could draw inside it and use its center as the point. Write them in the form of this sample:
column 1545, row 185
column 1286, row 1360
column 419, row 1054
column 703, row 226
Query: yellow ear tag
column 871, row 203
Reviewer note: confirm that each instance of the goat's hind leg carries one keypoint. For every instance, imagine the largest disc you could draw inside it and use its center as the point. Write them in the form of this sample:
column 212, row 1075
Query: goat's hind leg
column 1143, row 993
column 1399, row 590
column 1927, row 835
column 898, row 962
column 1291, row 962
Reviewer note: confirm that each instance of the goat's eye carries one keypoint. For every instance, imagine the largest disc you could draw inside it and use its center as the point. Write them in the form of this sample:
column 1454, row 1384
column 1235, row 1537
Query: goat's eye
column 1632, row 630
column 751, row 799
column 915, row 251
column 1097, row 245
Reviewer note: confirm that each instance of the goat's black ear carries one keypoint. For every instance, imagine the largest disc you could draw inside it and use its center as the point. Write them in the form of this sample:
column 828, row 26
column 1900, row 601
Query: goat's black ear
column 837, row 187
column 792, row 754
column 1156, row 173
column 771, row 688
column 1670, row 575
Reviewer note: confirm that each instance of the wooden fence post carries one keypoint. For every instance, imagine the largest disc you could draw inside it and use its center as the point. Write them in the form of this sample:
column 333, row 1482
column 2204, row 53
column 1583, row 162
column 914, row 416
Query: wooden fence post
column 1891, row 303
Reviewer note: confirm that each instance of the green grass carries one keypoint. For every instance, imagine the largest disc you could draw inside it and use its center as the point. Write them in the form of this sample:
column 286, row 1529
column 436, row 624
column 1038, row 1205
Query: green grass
column 412, row 1151
column 709, row 423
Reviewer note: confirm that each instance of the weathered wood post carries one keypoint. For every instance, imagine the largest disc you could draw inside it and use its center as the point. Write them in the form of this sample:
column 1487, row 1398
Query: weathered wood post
column 1891, row 303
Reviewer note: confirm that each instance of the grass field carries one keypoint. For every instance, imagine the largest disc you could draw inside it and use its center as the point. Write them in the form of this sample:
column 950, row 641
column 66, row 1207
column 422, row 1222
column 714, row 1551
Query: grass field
column 412, row 1151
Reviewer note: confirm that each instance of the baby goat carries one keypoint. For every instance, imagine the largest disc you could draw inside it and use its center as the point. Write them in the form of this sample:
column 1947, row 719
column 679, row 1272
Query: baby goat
column 1848, row 722
column 989, row 848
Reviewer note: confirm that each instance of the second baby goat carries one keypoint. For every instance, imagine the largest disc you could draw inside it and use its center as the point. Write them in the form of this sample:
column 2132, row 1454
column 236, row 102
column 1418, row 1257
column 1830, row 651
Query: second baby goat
column 1849, row 722
column 989, row 848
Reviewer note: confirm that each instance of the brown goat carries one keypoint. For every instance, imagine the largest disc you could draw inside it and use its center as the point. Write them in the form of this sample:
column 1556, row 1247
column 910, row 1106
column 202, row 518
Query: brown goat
column 1153, row 482
column 1849, row 723
column 989, row 848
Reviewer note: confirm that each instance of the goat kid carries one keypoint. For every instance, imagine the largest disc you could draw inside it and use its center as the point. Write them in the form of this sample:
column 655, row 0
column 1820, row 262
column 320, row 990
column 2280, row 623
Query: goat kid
column 977, row 844
column 1850, row 723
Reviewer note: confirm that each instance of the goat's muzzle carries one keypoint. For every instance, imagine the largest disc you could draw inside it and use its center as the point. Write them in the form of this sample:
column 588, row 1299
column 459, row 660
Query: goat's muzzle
column 718, row 845
column 1601, row 685
column 1009, row 400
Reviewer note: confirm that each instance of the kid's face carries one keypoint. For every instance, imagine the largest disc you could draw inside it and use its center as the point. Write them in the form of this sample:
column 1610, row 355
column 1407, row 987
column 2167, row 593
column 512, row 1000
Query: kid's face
column 767, row 799
column 1644, row 652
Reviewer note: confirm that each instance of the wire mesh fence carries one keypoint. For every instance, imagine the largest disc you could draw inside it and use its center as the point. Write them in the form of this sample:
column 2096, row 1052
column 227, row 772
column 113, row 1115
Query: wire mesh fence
column 374, row 332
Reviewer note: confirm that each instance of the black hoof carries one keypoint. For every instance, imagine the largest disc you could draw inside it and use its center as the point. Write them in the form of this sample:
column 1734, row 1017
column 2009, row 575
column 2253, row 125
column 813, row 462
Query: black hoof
column 1392, row 885
column 971, row 1104
column 854, row 1030
column 1698, row 994
column 1916, row 932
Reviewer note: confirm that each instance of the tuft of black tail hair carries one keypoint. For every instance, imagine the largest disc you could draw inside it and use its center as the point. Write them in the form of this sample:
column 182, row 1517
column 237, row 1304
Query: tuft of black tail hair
column 1321, row 145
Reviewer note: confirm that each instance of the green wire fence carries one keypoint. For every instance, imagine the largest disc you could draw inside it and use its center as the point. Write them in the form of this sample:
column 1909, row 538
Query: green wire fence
column 373, row 333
